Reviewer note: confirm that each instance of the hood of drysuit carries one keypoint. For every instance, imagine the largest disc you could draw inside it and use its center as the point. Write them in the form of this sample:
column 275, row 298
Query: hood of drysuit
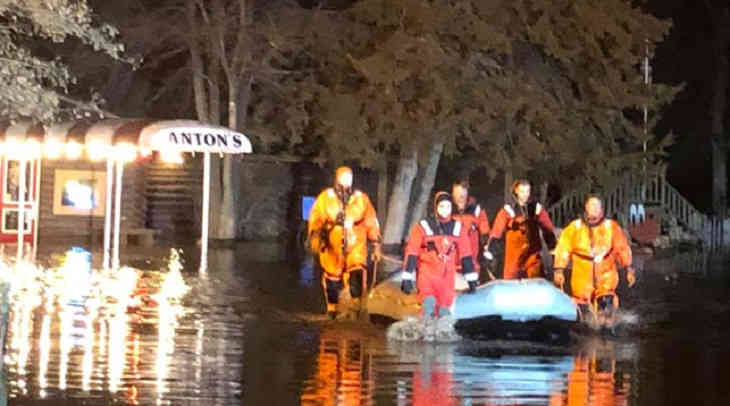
column 343, row 181
column 438, row 198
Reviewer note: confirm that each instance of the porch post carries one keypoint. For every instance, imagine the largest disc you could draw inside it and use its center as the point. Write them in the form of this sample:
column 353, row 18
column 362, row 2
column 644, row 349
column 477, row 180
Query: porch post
column 36, row 206
column 206, row 206
column 117, row 211
column 21, row 209
column 108, row 211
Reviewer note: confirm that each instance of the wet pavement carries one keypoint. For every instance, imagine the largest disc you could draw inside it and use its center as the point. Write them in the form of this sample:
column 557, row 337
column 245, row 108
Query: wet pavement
column 250, row 331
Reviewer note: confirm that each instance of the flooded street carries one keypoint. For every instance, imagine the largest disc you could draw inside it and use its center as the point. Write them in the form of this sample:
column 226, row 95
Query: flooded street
column 250, row 331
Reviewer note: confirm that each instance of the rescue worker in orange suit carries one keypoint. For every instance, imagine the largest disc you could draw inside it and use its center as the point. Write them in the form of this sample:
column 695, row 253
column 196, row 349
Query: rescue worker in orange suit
column 434, row 250
column 341, row 223
column 596, row 246
column 473, row 218
column 521, row 223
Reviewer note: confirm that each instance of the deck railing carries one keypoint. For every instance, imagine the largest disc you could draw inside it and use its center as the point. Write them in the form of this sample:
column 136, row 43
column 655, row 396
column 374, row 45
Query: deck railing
column 650, row 192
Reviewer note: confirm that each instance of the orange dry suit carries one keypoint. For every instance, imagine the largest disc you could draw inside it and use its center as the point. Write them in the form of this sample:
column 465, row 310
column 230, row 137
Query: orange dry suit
column 595, row 252
column 475, row 220
column 339, row 233
column 435, row 249
column 521, row 226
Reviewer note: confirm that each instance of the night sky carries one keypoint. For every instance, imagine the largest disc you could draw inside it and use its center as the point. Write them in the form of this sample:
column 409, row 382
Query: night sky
column 686, row 56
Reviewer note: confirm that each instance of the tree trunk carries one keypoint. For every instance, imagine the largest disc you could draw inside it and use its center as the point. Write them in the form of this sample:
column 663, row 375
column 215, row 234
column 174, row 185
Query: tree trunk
column 227, row 222
column 508, row 179
column 196, row 62
column 400, row 196
column 543, row 193
column 426, row 186
column 216, row 166
column 719, row 105
column 382, row 198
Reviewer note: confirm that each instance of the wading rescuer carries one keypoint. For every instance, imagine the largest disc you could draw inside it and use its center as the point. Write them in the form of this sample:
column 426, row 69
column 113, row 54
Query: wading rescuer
column 434, row 250
column 341, row 223
column 473, row 218
column 521, row 223
column 596, row 246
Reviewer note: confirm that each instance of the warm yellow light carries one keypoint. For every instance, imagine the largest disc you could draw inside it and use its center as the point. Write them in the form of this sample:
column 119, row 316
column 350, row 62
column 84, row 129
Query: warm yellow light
column 145, row 152
column 12, row 149
column 31, row 149
column 171, row 157
column 53, row 149
column 96, row 150
column 125, row 152
column 73, row 150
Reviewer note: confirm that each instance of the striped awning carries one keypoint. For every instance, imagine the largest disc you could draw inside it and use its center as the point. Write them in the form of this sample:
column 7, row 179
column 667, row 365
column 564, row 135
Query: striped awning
column 102, row 137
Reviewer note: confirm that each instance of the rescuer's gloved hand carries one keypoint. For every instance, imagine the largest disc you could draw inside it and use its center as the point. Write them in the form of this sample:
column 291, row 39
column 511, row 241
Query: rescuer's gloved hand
column 559, row 277
column 407, row 284
column 472, row 278
column 377, row 252
column 472, row 286
column 630, row 276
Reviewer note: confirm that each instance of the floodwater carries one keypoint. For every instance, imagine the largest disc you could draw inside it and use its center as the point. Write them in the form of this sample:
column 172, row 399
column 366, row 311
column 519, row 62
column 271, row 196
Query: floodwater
column 249, row 331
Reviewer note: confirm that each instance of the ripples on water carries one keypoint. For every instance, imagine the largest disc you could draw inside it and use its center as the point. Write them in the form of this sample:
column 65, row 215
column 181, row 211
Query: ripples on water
column 250, row 333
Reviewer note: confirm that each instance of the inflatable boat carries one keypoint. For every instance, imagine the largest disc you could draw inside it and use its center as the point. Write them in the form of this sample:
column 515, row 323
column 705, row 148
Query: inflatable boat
column 524, row 308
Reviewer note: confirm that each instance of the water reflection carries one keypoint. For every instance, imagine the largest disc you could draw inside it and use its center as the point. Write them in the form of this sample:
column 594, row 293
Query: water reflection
column 601, row 375
column 125, row 336
column 343, row 371
column 248, row 334
column 349, row 368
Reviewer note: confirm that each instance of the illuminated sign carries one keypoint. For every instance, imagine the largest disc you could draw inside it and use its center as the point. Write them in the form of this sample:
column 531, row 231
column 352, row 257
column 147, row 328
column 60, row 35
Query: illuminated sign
column 197, row 139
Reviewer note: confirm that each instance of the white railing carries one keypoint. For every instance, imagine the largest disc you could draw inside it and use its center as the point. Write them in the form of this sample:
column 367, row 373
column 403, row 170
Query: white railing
column 652, row 191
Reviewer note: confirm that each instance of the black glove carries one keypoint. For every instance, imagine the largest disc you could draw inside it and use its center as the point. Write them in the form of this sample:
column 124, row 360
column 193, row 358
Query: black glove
column 472, row 286
column 471, row 276
column 407, row 285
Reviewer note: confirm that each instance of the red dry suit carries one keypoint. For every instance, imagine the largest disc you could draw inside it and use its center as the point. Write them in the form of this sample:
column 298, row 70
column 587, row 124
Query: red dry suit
column 521, row 226
column 475, row 220
column 435, row 249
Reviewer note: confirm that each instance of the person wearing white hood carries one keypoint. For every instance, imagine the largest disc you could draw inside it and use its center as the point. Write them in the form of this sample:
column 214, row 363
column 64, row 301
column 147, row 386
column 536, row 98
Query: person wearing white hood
column 434, row 250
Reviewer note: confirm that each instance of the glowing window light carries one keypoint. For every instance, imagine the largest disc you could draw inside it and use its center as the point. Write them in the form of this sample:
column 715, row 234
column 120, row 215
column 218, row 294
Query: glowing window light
column 80, row 195
column 96, row 151
column 171, row 157
column 125, row 152
column 53, row 149
column 73, row 150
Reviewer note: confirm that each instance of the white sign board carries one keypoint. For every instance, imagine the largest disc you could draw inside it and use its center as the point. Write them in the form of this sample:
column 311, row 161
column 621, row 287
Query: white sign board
column 198, row 138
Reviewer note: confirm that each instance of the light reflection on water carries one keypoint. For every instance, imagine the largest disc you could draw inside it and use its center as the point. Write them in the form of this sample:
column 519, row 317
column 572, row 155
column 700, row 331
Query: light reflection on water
column 249, row 334
column 351, row 369
column 121, row 338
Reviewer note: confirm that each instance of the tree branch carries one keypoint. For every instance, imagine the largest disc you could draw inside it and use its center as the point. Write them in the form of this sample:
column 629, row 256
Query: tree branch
column 241, row 38
column 87, row 106
column 219, row 16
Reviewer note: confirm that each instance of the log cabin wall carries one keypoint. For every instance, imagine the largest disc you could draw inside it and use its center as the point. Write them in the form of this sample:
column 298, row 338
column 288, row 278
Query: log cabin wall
column 54, row 226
